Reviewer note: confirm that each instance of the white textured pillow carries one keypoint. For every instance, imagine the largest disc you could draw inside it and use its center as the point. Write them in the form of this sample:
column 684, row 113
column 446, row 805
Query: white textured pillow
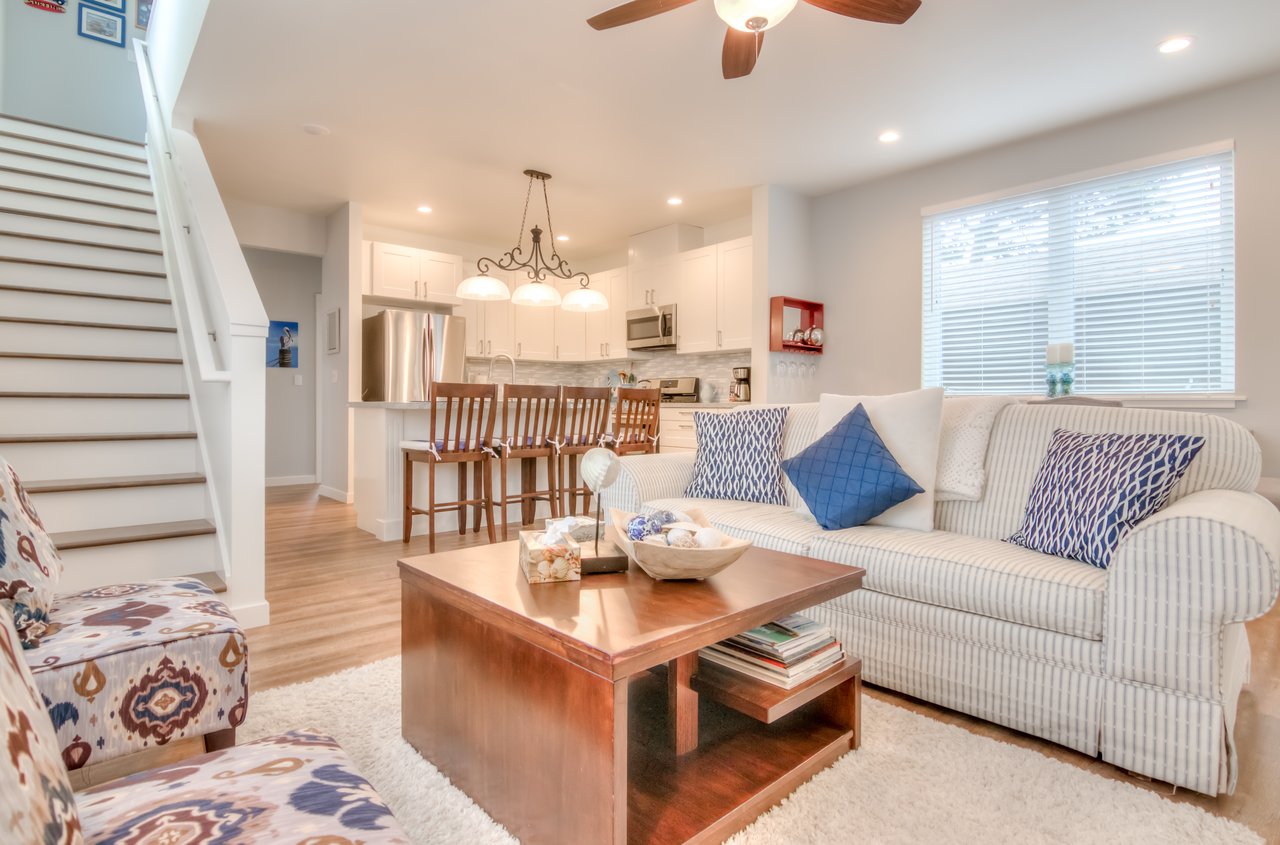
column 962, row 452
column 909, row 424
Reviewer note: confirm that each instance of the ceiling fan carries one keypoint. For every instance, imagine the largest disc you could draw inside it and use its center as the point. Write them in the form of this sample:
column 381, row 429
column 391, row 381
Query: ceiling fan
column 748, row 19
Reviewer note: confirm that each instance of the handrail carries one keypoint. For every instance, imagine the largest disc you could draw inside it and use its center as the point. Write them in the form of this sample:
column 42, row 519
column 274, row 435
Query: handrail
column 182, row 271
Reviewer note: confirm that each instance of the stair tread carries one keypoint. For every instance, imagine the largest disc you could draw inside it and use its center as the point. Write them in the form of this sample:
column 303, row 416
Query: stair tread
column 5, row 133
column 97, row 438
column 58, row 239
column 212, row 580
column 67, row 265
column 71, row 394
column 116, row 535
column 59, row 160
column 32, row 192
column 89, row 183
column 81, row 324
column 109, row 359
column 72, row 485
column 72, row 130
column 83, row 221
column 120, row 297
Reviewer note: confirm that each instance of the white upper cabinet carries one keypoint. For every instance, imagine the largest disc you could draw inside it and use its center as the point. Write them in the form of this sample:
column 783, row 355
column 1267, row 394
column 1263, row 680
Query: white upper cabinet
column 441, row 274
column 733, row 294
column 535, row 333
column 571, row 329
column 696, row 306
column 654, row 283
column 489, row 324
column 606, row 331
column 403, row 272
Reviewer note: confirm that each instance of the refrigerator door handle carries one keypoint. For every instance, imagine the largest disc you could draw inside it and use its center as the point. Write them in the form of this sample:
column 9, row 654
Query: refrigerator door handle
column 426, row 359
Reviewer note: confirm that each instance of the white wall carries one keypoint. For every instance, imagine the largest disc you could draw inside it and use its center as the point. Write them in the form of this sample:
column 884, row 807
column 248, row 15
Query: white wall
column 277, row 229
column 339, row 374
column 867, row 240
column 288, row 285
column 171, row 41
column 50, row 73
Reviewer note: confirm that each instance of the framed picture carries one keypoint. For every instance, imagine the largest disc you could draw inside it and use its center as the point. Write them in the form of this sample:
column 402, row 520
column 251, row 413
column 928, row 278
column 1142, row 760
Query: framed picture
column 142, row 13
column 333, row 332
column 101, row 25
column 113, row 5
column 282, row 338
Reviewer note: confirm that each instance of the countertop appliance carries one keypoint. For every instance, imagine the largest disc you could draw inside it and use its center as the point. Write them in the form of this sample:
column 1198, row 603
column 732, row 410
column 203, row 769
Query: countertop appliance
column 740, row 390
column 406, row 351
column 651, row 328
column 682, row 390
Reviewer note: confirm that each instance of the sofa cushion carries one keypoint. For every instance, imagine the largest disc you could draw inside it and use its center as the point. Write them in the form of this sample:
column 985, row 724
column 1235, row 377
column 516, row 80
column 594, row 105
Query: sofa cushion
column 29, row 563
column 974, row 574
column 776, row 527
column 298, row 787
column 36, row 802
column 739, row 456
column 136, row 665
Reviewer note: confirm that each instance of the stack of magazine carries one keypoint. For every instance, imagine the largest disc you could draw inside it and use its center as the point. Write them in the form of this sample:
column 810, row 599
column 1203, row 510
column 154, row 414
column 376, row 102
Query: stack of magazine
column 786, row 652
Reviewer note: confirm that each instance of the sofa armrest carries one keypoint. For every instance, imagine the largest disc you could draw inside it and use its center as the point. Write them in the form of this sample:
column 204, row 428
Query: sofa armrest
column 647, row 477
column 1210, row 559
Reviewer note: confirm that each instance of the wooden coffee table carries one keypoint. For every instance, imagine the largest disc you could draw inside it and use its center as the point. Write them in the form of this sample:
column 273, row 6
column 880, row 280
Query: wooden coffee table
column 537, row 700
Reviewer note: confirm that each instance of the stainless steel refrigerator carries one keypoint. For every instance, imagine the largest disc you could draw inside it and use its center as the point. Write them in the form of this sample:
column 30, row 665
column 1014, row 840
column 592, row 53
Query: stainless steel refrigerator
column 406, row 351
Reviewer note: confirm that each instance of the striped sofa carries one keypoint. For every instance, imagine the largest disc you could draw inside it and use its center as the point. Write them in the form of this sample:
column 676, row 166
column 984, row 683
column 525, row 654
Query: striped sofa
column 1141, row 664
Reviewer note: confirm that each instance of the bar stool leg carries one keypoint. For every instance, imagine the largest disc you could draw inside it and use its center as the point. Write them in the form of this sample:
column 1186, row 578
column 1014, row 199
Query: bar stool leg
column 553, row 489
column 408, row 497
column 431, row 506
column 502, row 498
column 528, row 484
column 572, row 485
column 488, row 507
column 481, row 466
column 462, row 497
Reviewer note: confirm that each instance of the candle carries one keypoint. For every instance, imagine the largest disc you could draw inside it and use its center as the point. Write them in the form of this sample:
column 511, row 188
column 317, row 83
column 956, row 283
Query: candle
column 1068, row 353
column 1051, row 354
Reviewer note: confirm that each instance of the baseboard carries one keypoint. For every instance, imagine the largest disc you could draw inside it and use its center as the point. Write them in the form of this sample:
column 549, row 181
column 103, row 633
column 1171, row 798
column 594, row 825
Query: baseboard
column 290, row 480
column 253, row 615
column 336, row 494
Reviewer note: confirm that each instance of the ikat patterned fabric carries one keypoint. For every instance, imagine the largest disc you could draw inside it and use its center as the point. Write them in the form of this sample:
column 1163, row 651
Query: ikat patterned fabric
column 848, row 475
column 29, row 562
column 36, row 801
column 1092, row 489
column 296, row 788
column 739, row 456
column 132, row 666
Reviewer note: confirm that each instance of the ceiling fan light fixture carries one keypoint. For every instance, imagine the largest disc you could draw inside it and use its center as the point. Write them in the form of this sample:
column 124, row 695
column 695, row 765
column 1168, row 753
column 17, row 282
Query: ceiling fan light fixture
column 754, row 15
column 585, row 299
column 482, row 287
column 536, row 294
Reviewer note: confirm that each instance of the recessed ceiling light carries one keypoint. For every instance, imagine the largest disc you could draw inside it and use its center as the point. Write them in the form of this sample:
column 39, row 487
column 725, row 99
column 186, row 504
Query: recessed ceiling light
column 675, row 201
column 315, row 129
column 562, row 237
column 424, row 209
column 890, row 136
column 1176, row 44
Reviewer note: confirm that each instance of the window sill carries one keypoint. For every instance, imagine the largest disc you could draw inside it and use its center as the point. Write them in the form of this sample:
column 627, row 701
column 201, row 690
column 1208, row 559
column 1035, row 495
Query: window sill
column 1179, row 401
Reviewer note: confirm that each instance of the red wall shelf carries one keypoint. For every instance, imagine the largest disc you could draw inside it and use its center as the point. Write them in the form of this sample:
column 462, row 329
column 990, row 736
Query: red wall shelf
column 810, row 317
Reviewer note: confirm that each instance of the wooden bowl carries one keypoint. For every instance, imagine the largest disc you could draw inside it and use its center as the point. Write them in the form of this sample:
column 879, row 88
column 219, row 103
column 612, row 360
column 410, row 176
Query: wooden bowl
column 665, row 563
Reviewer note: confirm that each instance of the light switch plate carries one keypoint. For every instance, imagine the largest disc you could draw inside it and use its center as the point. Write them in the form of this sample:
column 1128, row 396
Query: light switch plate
column 297, row 381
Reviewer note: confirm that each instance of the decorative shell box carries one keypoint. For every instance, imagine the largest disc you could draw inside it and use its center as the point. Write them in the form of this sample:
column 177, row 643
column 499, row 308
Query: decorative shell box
column 550, row 555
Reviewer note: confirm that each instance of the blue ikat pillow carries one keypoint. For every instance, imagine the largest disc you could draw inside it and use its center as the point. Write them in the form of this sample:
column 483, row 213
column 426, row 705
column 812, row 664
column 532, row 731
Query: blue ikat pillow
column 849, row 476
column 739, row 456
column 1092, row 489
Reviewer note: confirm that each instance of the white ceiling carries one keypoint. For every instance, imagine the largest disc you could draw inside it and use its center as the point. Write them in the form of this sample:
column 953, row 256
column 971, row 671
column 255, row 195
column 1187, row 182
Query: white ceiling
column 445, row 103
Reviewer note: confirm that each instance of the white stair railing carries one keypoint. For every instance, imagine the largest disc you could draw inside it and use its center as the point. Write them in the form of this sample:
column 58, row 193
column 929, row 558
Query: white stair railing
column 222, row 327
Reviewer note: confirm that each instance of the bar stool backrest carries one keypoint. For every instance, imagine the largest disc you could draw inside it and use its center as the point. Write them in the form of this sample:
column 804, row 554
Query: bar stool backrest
column 530, row 415
column 467, row 411
column 584, row 416
column 635, row 426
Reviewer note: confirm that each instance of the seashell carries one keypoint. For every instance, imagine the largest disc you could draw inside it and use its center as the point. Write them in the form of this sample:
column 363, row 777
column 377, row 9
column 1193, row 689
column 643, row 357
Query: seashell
column 681, row 516
column 691, row 527
column 681, row 539
column 640, row 527
column 658, row 539
column 708, row 538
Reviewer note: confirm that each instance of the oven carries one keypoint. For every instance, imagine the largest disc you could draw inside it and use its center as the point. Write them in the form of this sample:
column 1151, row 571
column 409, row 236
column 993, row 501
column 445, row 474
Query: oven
column 651, row 328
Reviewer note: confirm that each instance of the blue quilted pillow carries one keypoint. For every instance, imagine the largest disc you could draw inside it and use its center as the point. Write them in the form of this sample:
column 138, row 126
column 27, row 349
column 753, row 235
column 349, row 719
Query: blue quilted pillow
column 739, row 456
column 849, row 476
column 1092, row 489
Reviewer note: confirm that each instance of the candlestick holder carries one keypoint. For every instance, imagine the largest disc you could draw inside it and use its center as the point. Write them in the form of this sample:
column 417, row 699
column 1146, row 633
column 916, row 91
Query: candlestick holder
column 1059, row 379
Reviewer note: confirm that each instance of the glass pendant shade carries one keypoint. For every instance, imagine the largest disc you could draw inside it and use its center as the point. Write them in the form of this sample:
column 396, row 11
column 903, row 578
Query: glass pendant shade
column 537, row 294
column 754, row 15
column 585, row 299
column 482, row 287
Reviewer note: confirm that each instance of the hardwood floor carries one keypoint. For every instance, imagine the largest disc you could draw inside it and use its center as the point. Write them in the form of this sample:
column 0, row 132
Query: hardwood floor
column 335, row 603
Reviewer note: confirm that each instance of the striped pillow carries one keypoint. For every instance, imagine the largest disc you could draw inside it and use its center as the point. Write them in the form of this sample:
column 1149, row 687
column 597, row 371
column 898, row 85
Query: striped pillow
column 1092, row 489
column 739, row 456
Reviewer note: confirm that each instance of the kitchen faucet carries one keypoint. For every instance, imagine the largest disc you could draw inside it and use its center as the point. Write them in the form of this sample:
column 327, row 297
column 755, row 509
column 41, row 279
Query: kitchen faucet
column 509, row 358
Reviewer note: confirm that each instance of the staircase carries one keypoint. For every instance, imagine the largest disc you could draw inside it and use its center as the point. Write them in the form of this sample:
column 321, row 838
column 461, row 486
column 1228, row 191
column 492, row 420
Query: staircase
column 94, row 410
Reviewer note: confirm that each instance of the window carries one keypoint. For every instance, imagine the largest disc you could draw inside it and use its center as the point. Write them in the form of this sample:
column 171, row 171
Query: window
column 1137, row 269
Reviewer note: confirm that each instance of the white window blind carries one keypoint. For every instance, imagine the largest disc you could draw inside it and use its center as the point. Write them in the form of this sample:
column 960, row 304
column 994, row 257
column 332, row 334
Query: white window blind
column 1137, row 269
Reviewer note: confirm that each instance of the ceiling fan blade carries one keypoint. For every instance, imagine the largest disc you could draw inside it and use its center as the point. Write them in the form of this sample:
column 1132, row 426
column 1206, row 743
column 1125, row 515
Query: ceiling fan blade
column 879, row 11
column 636, row 10
column 740, row 52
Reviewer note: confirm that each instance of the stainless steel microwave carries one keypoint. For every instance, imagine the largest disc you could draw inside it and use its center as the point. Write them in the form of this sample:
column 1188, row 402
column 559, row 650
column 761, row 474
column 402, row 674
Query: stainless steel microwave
column 651, row 328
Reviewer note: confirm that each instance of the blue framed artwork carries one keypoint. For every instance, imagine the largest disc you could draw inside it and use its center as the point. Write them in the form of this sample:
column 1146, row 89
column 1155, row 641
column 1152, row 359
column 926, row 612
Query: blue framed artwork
column 282, row 341
column 142, row 13
column 113, row 5
column 101, row 25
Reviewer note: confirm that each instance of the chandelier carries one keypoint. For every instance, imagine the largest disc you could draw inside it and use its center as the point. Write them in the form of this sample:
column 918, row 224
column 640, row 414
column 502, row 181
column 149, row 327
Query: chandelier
column 538, row 268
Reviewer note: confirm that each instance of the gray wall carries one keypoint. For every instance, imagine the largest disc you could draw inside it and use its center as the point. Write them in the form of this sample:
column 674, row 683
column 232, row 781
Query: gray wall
column 288, row 285
column 51, row 74
column 867, row 240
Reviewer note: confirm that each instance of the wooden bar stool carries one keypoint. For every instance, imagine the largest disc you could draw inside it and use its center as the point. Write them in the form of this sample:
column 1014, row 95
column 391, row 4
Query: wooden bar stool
column 466, row 437
column 635, row 422
column 584, row 425
column 530, row 416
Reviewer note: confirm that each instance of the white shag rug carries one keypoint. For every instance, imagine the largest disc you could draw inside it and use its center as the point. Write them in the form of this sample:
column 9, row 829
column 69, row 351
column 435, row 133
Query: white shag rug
column 915, row 780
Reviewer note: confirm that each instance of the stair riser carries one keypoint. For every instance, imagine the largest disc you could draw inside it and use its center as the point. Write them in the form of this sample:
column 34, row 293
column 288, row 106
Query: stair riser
column 65, row 278
column 103, row 416
column 77, row 231
column 73, row 190
column 75, row 171
column 19, row 374
column 66, row 136
column 26, row 145
column 83, row 308
column 22, row 337
column 75, row 208
column 58, row 461
column 85, row 510
column 91, row 256
column 132, row 562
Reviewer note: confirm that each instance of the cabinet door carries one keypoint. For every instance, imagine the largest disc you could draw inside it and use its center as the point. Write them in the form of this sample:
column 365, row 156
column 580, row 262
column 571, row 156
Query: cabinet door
column 733, row 314
column 395, row 271
column 499, row 328
column 440, row 275
column 696, row 301
column 615, row 342
column 571, row 329
column 473, row 312
column 665, row 283
column 535, row 333
column 596, row 326
column 639, row 287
